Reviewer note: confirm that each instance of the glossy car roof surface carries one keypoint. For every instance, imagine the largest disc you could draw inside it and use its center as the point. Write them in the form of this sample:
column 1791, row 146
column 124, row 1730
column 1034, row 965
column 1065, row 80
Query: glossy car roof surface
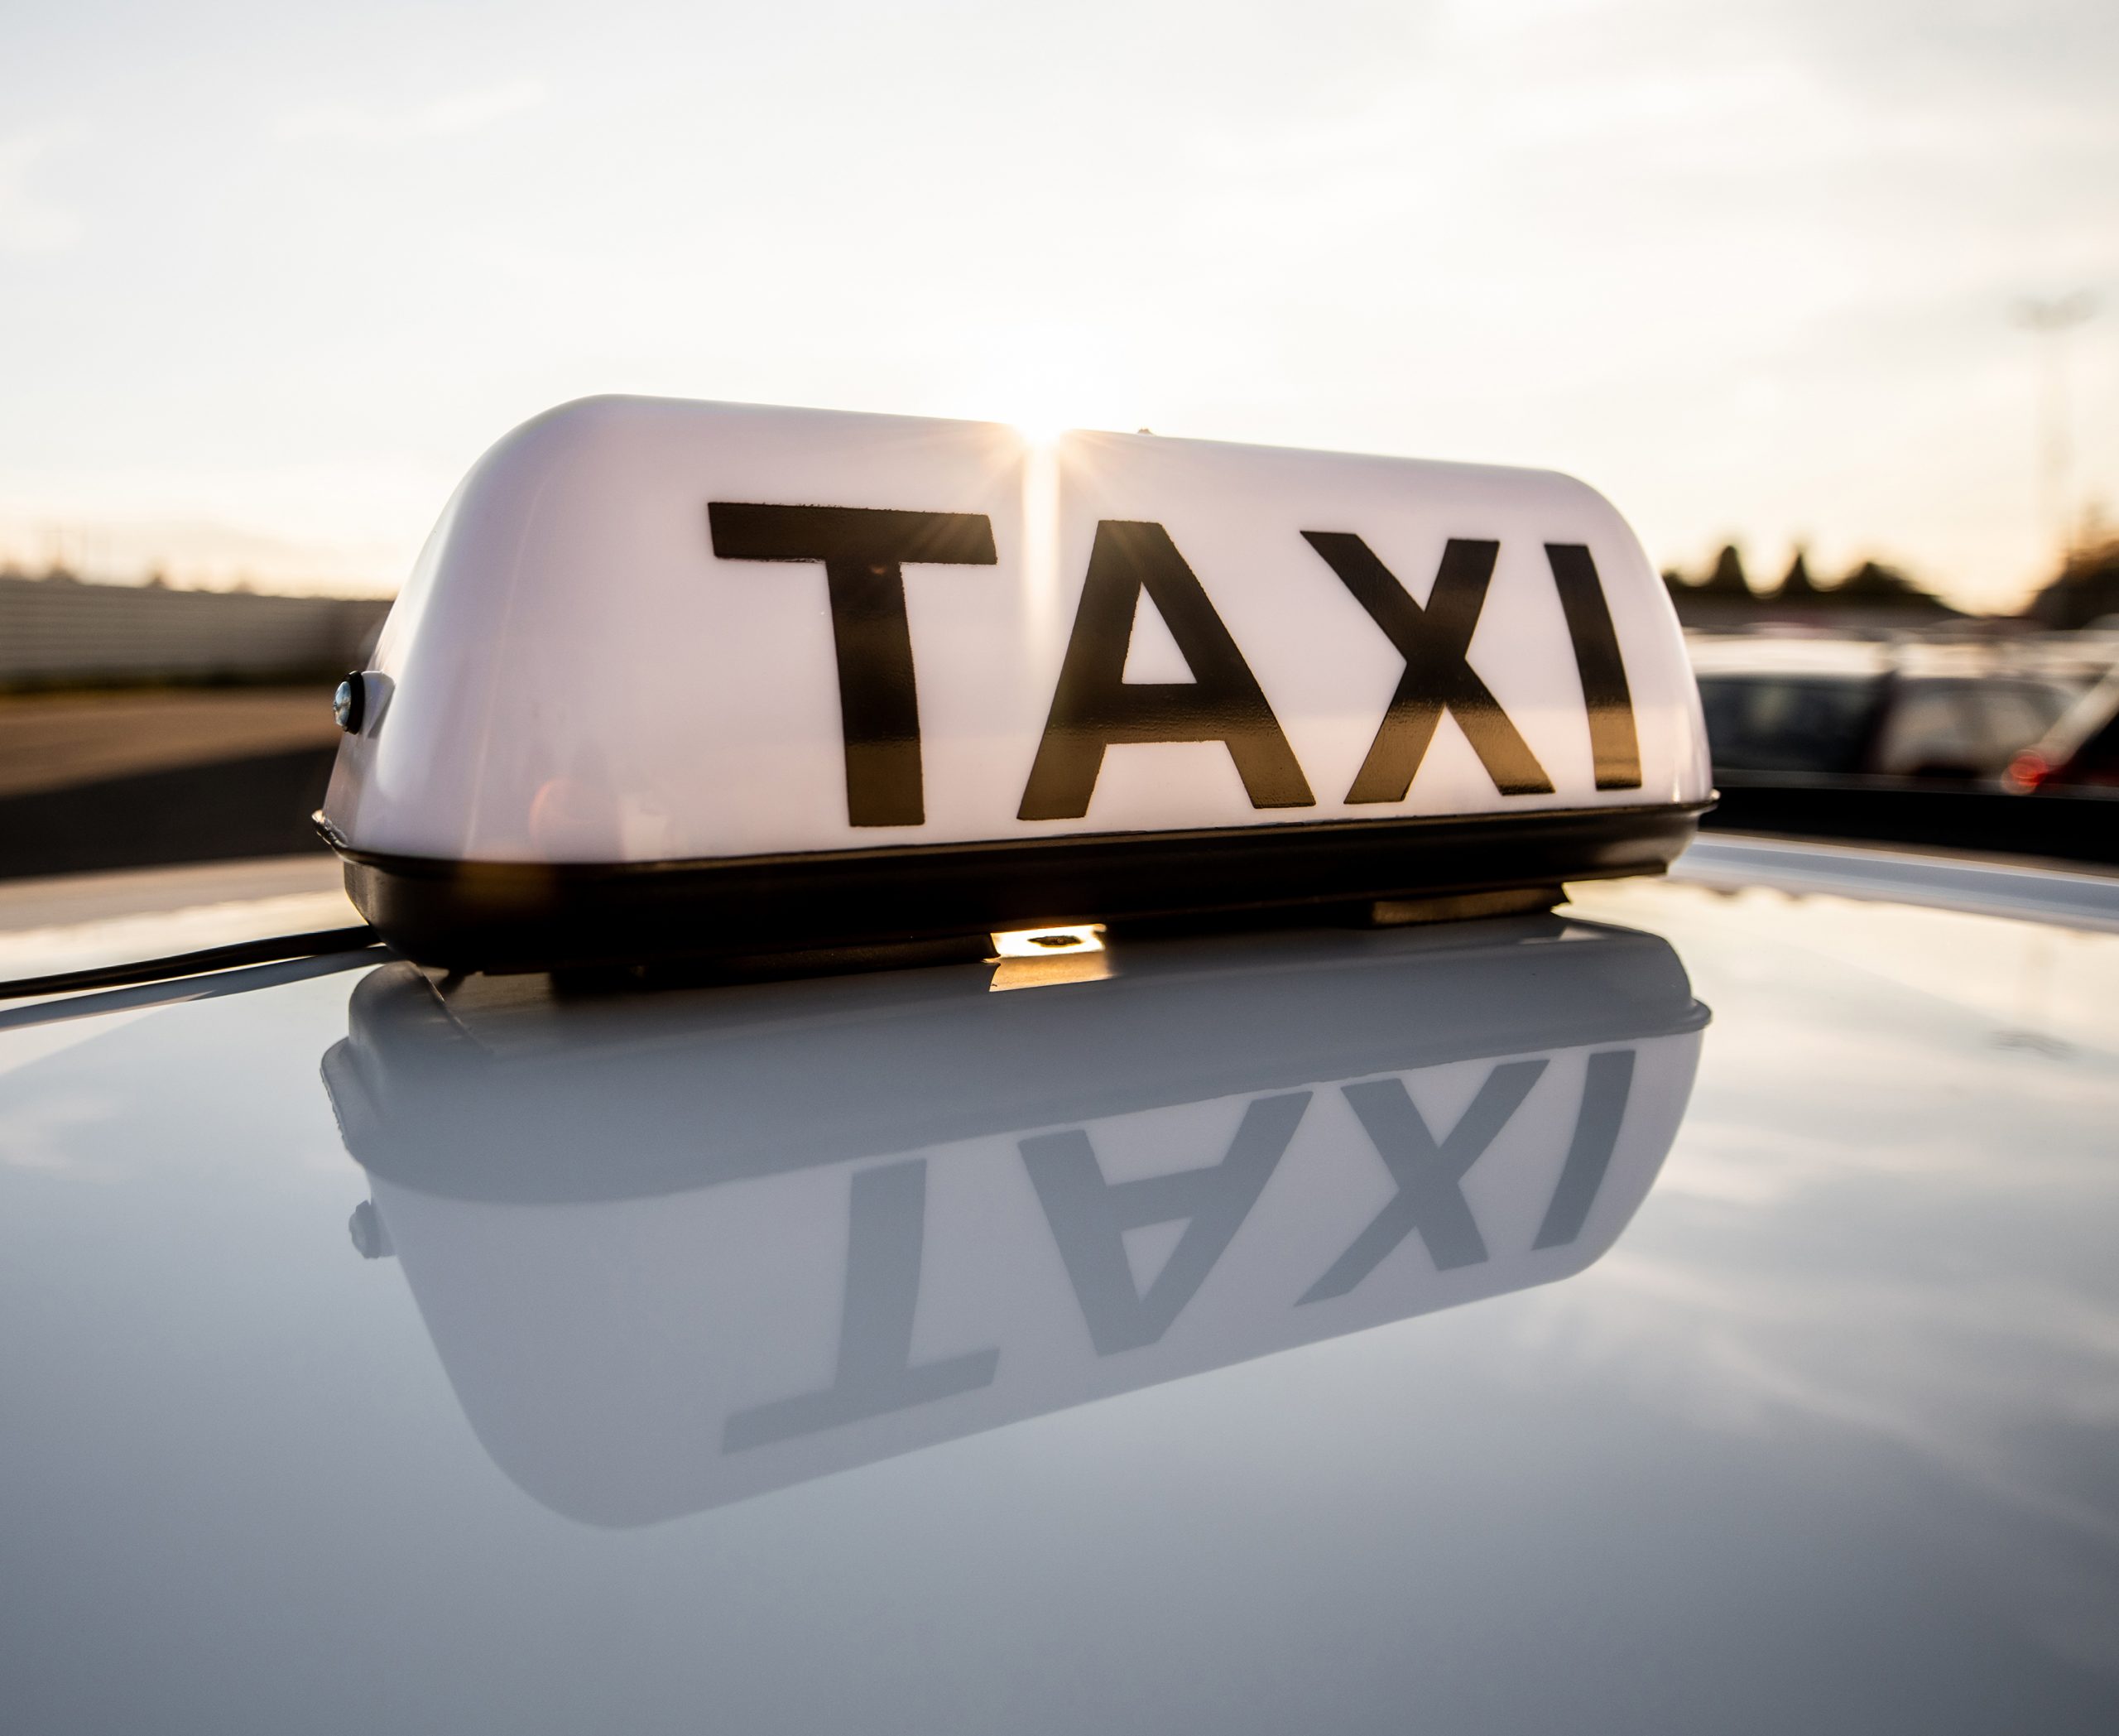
column 1808, row 1423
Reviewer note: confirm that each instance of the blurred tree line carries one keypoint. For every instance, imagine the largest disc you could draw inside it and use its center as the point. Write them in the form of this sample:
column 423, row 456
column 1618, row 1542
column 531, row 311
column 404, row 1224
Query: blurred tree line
column 2086, row 591
column 1724, row 595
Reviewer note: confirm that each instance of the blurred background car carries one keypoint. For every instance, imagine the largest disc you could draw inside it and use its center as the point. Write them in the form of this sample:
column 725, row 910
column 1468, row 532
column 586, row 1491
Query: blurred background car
column 1841, row 709
column 1906, row 740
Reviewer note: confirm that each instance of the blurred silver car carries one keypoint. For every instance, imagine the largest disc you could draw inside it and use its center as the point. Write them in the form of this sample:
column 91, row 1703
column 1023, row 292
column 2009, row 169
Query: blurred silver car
column 1825, row 708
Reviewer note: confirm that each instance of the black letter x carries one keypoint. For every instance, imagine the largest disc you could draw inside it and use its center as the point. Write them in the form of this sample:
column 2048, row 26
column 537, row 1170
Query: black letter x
column 1432, row 640
column 1428, row 1198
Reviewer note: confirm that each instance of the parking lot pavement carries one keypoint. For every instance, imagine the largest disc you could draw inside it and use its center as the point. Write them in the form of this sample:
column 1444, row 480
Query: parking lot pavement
column 96, row 781
column 56, row 741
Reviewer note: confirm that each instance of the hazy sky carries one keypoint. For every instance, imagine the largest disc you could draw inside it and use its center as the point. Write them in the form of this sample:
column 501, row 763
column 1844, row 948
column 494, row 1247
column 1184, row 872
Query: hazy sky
column 271, row 277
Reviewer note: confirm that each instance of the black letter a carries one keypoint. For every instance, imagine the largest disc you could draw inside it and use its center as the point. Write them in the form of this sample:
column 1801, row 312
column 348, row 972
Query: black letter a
column 1094, row 706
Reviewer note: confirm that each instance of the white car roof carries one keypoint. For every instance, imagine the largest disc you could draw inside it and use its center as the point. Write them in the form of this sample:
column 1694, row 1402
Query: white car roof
column 1792, row 1406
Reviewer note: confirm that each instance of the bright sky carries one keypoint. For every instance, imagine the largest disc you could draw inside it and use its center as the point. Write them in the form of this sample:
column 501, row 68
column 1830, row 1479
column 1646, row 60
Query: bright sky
column 271, row 277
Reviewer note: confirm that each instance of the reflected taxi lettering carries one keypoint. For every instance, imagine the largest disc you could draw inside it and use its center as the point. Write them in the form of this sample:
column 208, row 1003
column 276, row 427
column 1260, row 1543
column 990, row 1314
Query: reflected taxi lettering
column 1089, row 1216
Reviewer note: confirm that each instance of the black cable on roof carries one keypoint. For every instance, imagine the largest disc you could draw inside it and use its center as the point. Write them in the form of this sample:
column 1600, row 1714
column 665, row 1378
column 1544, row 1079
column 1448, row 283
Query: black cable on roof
column 317, row 942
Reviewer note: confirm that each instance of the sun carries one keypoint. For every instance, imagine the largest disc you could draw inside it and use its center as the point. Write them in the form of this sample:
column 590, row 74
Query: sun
column 1047, row 382
column 1042, row 408
column 1040, row 426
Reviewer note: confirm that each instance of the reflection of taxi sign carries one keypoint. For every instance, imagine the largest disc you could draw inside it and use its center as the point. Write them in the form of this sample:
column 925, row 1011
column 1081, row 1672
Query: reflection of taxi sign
column 676, row 1250
column 666, row 667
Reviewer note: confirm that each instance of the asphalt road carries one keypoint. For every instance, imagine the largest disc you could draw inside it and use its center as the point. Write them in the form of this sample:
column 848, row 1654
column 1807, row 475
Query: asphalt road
column 92, row 781
column 56, row 741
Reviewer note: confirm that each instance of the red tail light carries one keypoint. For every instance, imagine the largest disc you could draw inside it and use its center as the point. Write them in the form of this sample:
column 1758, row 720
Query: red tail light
column 2027, row 771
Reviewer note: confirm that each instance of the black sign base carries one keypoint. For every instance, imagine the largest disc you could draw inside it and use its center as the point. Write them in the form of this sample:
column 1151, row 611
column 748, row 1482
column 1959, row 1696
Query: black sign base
column 507, row 917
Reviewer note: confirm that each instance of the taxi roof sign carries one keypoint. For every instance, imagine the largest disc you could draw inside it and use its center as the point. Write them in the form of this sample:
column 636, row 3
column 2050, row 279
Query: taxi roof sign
column 682, row 679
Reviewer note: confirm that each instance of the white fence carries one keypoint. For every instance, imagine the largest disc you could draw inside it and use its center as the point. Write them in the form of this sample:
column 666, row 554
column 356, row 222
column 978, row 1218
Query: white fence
column 58, row 631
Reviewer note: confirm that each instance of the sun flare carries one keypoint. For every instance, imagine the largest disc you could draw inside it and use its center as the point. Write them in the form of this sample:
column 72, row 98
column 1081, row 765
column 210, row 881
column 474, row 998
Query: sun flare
column 1046, row 382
